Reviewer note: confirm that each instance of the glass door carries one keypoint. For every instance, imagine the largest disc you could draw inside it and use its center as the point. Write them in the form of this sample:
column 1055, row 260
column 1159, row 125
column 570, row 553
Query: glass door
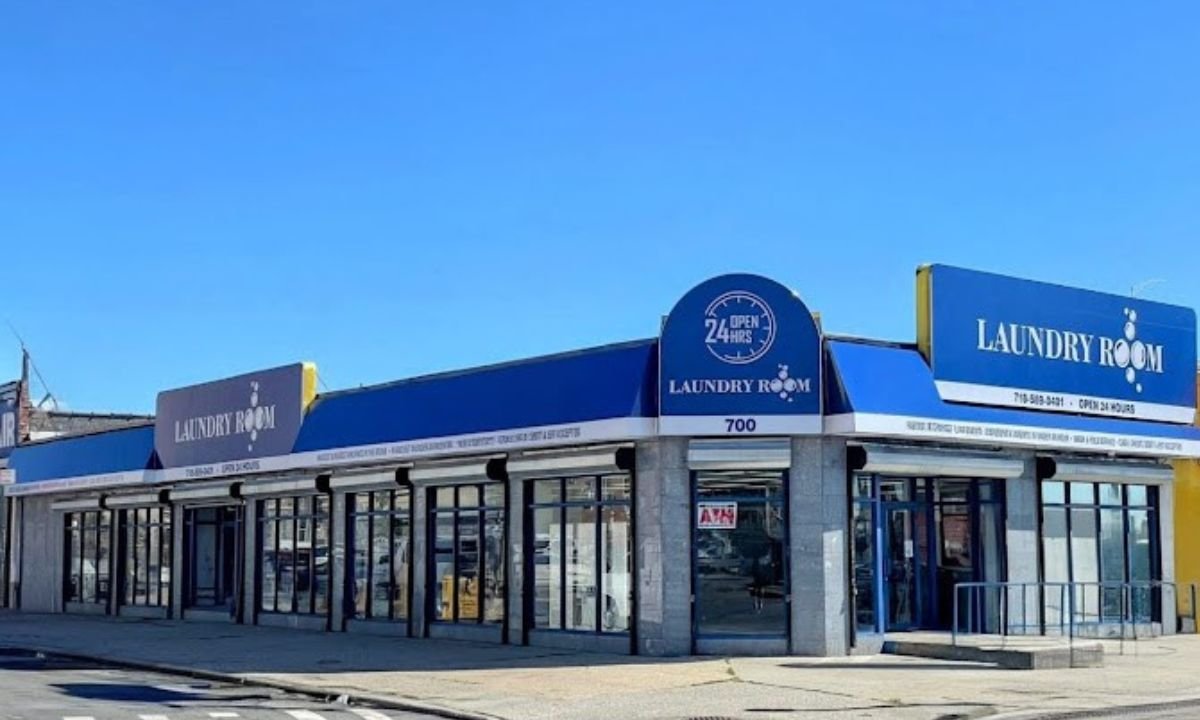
column 740, row 569
column 902, row 567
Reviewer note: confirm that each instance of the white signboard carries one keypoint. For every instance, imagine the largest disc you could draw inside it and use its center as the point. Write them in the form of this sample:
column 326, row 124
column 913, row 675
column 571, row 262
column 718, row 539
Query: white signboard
column 716, row 516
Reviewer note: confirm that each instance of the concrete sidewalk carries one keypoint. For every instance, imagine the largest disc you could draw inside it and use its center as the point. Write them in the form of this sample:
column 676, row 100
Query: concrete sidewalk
column 518, row 682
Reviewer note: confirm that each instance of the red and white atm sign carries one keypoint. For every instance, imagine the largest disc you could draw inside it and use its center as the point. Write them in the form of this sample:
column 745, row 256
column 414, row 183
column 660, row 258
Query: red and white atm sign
column 716, row 516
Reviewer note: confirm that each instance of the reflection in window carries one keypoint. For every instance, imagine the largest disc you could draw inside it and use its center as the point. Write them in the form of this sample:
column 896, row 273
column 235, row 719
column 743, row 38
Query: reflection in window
column 741, row 582
column 380, row 544
column 294, row 562
column 147, row 559
column 1100, row 541
column 582, row 552
column 468, row 558
column 86, row 558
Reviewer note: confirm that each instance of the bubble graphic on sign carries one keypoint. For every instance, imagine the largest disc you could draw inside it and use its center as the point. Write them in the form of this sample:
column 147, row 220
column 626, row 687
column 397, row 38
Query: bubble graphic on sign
column 1131, row 353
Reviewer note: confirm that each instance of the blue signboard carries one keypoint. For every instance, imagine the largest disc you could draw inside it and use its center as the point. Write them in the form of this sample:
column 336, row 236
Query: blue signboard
column 995, row 340
column 740, row 355
column 250, row 416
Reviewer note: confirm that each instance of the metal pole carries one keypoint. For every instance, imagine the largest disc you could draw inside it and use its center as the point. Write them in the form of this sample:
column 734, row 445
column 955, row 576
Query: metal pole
column 954, row 627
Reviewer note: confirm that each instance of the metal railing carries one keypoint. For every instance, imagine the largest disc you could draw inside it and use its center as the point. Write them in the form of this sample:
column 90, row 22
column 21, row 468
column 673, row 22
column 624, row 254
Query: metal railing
column 1067, row 608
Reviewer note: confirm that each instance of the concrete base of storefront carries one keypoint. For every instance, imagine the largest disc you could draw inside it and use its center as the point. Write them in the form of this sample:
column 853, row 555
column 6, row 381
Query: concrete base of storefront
column 210, row 616
column 295, row 622
column 1013, row 653
column 74, row 608
column 476, row 633
column 581, row 642
column 144, row 613
column 382, row 628
column 749, row 647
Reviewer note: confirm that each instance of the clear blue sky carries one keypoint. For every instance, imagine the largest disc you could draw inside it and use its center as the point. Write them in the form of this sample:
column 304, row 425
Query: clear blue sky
column 188, row 191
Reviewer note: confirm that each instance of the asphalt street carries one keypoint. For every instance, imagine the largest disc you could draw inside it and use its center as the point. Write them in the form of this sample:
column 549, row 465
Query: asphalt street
column 33, row 687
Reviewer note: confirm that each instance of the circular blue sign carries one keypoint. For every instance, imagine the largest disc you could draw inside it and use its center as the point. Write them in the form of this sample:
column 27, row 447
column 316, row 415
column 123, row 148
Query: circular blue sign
column 739, row 327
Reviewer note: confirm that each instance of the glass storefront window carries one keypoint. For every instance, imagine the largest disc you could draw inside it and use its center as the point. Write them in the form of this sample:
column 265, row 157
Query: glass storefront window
column 582, row 553
column 864, row 566
column 86, row 537
column 467, row 555
column 147, row 558
column 294, row 555
column 1099, row 541
column 380, row 525
column 740, row 570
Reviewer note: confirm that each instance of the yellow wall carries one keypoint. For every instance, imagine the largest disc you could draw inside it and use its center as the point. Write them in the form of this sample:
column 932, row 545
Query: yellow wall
column 1187, row 521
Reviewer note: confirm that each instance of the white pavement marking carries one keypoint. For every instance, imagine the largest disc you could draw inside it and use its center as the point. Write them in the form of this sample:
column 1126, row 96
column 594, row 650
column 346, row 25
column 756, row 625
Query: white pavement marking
column 222, row 714
column 153, row 717
column 304, row 715
column 368, row 713
column 78, row 717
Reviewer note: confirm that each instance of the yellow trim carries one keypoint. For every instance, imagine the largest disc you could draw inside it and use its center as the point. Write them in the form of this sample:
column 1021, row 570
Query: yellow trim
column 1187, row 530
column 308, row 384
column 925, row 310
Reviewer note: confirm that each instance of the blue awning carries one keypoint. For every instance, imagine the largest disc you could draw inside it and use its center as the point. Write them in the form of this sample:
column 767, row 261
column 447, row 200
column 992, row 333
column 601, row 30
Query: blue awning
column 888, row 391
column 110, row 457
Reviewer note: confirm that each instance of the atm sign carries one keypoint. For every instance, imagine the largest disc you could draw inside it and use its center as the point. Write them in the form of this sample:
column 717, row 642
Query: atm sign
column 716, row 516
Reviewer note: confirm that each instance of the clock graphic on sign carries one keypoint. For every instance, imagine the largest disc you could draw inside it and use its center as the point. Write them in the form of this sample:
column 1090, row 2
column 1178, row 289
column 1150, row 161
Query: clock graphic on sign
column 739, row 327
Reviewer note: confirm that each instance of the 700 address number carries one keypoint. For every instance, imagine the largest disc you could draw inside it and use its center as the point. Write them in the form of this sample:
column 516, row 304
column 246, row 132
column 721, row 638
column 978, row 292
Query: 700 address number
column 740, row 425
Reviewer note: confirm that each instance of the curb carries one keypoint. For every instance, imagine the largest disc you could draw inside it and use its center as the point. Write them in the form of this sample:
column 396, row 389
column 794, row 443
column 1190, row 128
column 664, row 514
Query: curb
column 1100, row 712
column 351, row 697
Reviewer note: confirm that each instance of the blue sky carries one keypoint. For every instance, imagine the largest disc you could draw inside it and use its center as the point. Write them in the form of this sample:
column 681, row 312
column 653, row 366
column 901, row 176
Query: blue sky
column 388, row 189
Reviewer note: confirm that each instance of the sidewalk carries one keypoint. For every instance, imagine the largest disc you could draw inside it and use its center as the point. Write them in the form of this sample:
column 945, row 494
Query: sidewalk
column 519, row 682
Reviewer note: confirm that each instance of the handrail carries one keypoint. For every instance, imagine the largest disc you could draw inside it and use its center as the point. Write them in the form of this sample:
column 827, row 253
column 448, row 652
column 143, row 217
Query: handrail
column 1128, row 595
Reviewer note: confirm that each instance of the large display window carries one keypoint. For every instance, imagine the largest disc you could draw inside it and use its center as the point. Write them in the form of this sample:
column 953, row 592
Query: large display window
column 294, row 557
column 146, row 541
column 740, row 566
column 86, row 557
column 581, row 553
column 380, row 525
column 467, row 563
column 1099, row 552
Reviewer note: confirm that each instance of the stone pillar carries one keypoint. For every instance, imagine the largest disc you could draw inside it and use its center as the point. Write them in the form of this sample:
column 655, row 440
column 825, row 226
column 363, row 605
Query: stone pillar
column 420, row 551
column 662, row 507
column 818, row 529
column 338, row 541
column 1022, row 550
column 1166, row 544
column 515, row 582
column 249, row 595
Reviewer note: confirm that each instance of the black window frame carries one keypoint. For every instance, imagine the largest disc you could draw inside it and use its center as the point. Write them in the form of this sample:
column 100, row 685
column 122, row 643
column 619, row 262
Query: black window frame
column 457, row 510
column 598, row 504
column 73, row 556
column 390, row 517
column 318, row 512
column 157, row 520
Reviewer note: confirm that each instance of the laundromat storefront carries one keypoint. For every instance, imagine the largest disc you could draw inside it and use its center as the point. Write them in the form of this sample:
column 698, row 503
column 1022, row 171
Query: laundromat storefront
column 741, row 484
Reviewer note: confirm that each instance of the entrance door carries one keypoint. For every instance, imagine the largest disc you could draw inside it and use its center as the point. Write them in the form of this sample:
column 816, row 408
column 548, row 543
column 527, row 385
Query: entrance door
column 213, row 539
column 740, row 569
column 904, row 526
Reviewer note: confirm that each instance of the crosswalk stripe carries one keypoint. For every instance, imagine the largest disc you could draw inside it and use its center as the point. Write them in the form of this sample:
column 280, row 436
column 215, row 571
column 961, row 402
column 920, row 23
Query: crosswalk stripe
column 78, row 717
column 222, row 714
column 153, row 717
column 304, row 715
column 368, row 713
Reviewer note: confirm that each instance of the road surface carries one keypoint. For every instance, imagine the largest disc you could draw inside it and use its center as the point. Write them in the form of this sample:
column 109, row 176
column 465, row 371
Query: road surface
column 39, row 688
